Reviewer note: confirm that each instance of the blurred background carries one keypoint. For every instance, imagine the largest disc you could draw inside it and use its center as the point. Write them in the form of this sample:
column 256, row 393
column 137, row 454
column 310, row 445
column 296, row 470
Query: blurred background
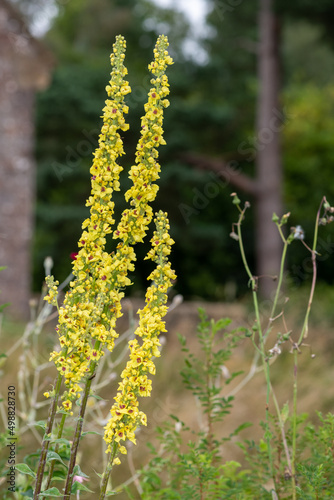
column 251, row 111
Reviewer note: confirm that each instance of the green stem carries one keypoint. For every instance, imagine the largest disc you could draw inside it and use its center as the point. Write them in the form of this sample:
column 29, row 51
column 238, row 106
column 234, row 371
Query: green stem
column 281, row 425
column 210, row 396
column 78, row 431
column 265, row 362
column 279, row 284
column 303, row 335
column 242, row 250
column 45, row 444
column 253, row 368
column 294, row 426
column 304, row 331
column 53, row 463
column 106, row 474
column 268, row 433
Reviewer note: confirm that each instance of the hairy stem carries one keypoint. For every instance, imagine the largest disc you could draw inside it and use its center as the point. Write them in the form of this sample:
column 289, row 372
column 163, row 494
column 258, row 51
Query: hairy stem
column 107, row 471
column 78, row 431
column 45, row 444
column 53, row 463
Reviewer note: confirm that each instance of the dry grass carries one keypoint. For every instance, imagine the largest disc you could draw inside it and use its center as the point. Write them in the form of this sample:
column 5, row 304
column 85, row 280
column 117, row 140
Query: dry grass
column 315, row 383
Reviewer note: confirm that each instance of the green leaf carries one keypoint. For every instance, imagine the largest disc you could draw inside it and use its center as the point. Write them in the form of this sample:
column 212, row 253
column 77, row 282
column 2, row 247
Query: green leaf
column 61, row 441
column 78, row 472
column 285, row 413
column 182, row 339
column 221, row 324
column 62, row 412
column 79, row 486
column 263, row 445
column 40, row 423
column 51, row 492
column 241, row 428
column 59, row 476
column 91, row 432
column 52, row 455
column 268, row 435
column 97, row 397
column 25, row 469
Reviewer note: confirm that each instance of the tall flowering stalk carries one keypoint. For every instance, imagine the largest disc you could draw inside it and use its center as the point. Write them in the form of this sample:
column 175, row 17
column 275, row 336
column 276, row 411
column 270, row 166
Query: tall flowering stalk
column 87, row 318
column 125, row 415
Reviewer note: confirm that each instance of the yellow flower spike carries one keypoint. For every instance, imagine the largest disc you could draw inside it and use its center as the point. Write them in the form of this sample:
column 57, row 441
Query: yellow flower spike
column 91, row 307
column 133, row 225
column 125, row 417
column 86, row 303
column 52, row 295
column 134, row 221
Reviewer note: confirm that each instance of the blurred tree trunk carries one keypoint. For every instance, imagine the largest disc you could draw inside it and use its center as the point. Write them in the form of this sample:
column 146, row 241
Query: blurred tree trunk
column 25, row 68
column 266, row 187
column 17, row 189
column 268, row 158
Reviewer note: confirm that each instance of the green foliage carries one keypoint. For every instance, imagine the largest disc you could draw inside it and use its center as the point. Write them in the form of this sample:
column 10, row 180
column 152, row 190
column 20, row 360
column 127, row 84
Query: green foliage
column 187, row 468
column 293, row 458
column 66, row 134
column 317, row 470
column 195, row 469
column 321, row 12
column 67, row 131
column 213, row 112
column 200, row 375
column 306, row 55
column 309, row 154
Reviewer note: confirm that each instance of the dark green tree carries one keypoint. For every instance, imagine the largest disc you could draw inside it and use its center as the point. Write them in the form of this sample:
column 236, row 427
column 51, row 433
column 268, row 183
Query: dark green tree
column 262, row 38
column 68, row 112
column 212, row 116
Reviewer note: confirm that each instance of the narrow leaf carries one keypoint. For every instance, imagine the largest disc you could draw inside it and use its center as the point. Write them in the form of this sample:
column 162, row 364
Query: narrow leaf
column 52, row 455
column 51, row 492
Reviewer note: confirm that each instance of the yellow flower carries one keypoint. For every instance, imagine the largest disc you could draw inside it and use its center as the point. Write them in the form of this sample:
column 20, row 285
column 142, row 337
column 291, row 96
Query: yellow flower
column 52, row 296
column 87, row 319
column 133, row 225
column 125, row 417
column 88, row 315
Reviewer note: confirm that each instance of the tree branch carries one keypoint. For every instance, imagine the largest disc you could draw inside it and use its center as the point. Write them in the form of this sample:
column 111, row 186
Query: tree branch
column 229, row 171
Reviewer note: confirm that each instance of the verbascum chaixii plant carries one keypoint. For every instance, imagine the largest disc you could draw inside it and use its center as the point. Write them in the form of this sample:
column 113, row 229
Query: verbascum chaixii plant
column 125, row 415
column 92, row 305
